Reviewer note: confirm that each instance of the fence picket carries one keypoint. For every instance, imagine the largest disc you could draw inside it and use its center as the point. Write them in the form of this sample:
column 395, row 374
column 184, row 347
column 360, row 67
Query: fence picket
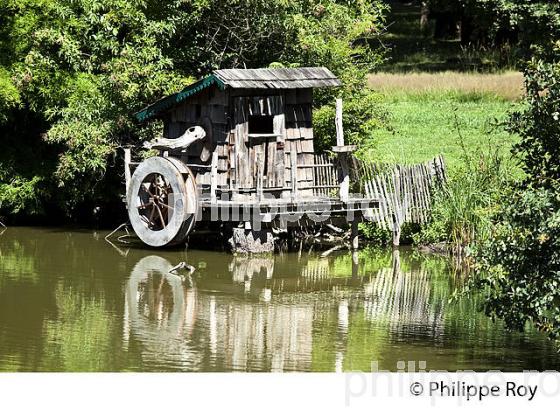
column 404, row 191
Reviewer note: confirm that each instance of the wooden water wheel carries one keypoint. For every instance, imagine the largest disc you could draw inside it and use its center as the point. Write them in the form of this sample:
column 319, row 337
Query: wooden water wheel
column 162, row 201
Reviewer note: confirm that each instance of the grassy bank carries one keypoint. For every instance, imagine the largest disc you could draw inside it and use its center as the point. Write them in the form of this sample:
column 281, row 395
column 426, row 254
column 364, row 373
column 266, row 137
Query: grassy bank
column 461, row 116
column 506, row 86
column 431, row 114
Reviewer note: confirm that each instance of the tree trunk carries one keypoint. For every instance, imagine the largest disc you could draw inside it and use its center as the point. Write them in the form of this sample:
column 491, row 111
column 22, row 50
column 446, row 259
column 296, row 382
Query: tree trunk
column 424, row 18
column 466, row 31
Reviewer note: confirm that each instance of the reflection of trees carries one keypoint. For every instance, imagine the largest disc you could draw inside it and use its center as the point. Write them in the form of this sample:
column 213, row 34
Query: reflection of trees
column 16, row 263
column 80, row 337
column 62, row 303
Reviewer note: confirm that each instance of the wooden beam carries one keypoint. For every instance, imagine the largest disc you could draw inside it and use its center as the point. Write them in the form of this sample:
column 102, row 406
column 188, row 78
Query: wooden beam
column 293, row 172
column 127, row 173
column 259, row 171
column 214, row 177
column 338, row 119
column 342, row 151
column 344, row 178
column 355, row 233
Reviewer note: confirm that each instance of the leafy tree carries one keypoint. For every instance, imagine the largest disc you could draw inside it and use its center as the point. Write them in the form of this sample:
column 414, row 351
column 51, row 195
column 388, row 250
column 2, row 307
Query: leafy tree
column 520, row 266
column 494, row 22
column 539, row 125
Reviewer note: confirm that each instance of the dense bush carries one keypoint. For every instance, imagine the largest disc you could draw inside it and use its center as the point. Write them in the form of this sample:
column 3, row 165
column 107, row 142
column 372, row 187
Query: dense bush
column 520, row 265
column 539, row 125
column 463, row 209
column 519, row 268
column 362, row 113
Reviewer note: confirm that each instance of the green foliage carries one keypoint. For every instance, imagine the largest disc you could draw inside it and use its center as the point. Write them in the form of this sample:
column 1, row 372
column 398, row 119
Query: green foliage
column 463, row 209
column 523, row 22
column 9, row 96
column 371, row 232
column 363, row 114
column 413, row 48
column 538, row 124
column 337, row 34
column 81, row 68
column 21, row 194
column 520, row 267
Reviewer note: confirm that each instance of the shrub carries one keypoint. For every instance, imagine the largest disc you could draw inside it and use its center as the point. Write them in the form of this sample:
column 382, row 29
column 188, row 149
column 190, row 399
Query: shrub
column 463, row 208
column 519, row 268
column 362, row 114
column 538, row 125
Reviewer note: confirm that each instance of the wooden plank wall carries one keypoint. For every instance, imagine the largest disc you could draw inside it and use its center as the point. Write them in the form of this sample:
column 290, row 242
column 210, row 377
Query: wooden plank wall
column 299, row 138
column 209, row 106
column 325, row 176
column 404, row 190
column 228, row 112
column 268, row 150
column 292, row 111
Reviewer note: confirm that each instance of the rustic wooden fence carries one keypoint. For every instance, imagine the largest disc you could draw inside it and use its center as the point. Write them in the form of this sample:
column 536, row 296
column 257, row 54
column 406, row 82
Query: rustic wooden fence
column 404, row 191
column 325, row 176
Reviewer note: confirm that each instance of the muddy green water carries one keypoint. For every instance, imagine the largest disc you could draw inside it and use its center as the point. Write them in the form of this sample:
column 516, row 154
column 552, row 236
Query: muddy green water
column 69, row 301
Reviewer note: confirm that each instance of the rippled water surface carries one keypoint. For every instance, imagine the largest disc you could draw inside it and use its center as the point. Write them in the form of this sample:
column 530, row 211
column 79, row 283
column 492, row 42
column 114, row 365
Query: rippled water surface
column 69, row 301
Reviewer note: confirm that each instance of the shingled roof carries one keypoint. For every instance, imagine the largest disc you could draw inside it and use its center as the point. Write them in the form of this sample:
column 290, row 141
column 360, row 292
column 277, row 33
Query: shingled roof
column 271, row 78
column 280, row 78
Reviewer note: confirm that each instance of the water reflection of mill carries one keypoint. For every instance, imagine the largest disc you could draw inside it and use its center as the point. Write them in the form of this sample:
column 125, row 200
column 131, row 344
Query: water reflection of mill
column 259, row 319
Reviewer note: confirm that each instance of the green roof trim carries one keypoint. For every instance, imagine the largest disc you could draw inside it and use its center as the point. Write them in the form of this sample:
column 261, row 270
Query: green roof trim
column 169, row 101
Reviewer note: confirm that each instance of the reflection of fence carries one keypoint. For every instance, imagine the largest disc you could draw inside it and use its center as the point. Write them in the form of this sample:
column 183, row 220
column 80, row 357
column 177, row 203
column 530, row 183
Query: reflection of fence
column 404, row 191
column 404, row 299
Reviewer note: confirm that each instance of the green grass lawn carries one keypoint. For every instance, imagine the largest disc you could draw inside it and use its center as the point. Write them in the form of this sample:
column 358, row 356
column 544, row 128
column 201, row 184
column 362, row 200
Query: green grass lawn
column 424, row 125
column 440, row 98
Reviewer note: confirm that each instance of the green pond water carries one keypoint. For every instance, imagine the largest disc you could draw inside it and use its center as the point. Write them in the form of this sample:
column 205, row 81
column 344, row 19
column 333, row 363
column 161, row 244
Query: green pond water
column 69, row 301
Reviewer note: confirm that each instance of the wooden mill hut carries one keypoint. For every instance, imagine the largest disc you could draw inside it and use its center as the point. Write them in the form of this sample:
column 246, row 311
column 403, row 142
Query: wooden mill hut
column 237, row 136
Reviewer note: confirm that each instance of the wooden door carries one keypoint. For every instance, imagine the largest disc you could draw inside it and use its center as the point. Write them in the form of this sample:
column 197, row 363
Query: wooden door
column 259, row 141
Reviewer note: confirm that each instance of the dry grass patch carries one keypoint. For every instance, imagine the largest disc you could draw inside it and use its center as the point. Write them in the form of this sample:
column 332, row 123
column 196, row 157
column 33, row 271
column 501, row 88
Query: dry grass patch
column 508, row 85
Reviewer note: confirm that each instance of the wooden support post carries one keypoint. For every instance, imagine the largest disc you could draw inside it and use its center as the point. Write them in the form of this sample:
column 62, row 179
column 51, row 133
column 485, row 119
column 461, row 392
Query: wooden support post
column 338, row 119
column 355, row 264
column 344, row 177
column 293, row 172
column 214, row 178
column 396, row 262
column 127, row 161
column 354, row 235
column 396, row 231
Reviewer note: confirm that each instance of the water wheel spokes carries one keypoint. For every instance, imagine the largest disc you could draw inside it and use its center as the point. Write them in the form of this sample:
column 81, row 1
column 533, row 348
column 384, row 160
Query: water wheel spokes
column 162, row 201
